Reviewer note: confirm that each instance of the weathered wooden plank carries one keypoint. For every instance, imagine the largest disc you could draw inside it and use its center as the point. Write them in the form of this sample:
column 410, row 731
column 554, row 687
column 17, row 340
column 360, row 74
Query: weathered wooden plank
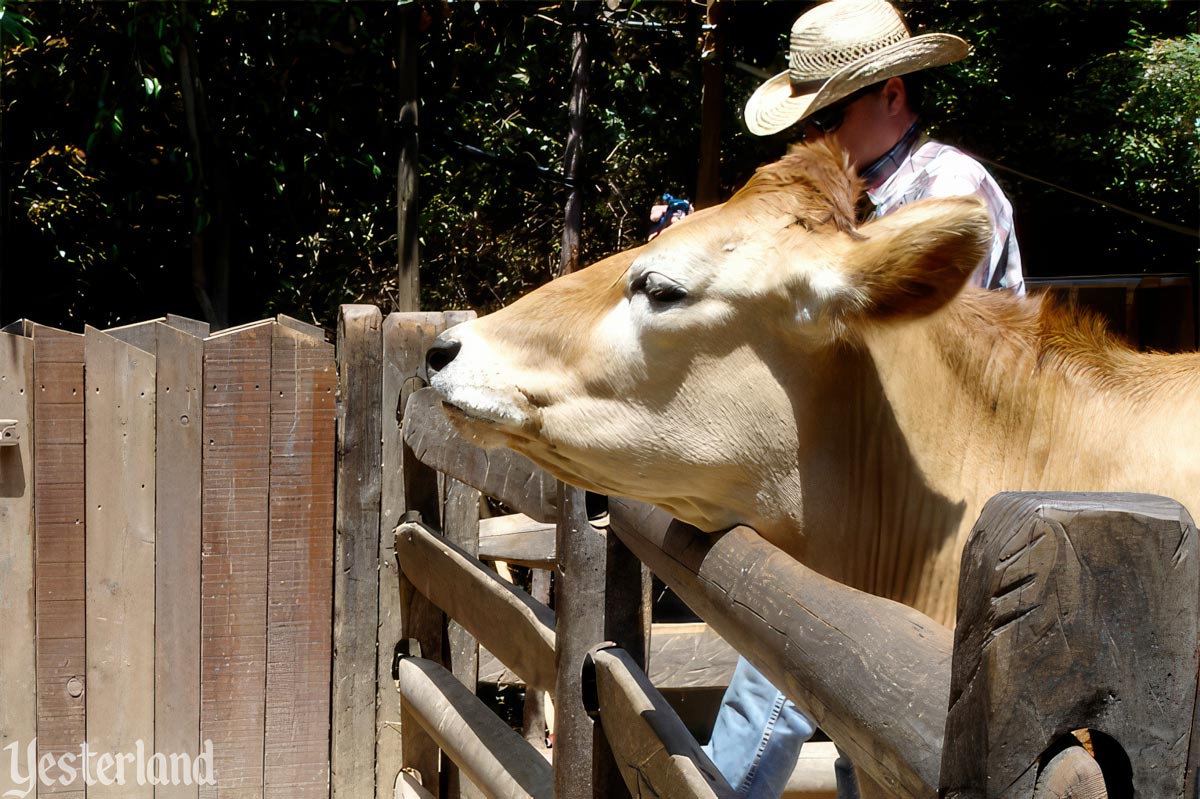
column 356, row 572
column 501, row 473
column 505, row 619
column 656, row 753
column 873, row 673
column 583, row 764
column 143, row 335
column 120, row 421
column 300, row 566
column 406, row 336
column 18, row 656
column 537, row 716
column 192, row 327
column 494, row 756
column 421, row 621
column 59, row 568
column 179, row 412
column 307, row 328
column 689, row 656
column 517, row 539
column 1076, row 611
column 236, row 476
column 461, row 522
column 462, row 530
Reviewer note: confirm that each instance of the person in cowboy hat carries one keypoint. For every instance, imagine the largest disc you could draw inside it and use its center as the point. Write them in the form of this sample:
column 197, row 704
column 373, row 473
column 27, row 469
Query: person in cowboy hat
column 846, row 77
column 850, row 68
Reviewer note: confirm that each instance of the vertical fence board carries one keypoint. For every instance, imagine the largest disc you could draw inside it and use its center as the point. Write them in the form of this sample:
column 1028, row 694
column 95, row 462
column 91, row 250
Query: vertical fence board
column 18, row 664
column 300, row 592
column 237, row 417
column 405, row 339
column 119, row 418
column 356, row 571
column 58, row 546
column 180, row 357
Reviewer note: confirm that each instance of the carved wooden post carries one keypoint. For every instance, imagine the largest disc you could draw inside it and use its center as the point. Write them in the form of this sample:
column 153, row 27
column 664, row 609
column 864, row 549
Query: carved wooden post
column 1076, row 611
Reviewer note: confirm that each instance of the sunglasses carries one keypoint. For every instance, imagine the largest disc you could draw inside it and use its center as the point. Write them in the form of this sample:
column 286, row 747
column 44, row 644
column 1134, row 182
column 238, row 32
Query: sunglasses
column 830, row 118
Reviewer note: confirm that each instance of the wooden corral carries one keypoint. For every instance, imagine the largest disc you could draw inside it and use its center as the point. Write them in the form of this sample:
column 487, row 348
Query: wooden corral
column 254, row 539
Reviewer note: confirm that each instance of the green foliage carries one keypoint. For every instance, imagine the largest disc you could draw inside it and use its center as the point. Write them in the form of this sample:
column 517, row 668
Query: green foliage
column 113, row 197
column 1157, row 142
column 128, row 190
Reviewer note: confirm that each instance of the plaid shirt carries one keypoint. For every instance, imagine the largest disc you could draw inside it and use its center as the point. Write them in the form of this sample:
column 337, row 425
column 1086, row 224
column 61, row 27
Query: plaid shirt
column 934, row 169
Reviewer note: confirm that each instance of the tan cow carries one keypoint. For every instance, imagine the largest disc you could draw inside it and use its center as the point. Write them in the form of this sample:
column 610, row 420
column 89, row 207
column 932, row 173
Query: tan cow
column 765, row 363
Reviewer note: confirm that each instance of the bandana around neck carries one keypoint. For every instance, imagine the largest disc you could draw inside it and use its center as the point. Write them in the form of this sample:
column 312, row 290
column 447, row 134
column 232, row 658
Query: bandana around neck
column 883, row 166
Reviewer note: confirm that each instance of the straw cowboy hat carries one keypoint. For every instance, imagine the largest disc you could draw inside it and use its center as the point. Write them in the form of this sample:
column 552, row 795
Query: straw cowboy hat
column 836, row 49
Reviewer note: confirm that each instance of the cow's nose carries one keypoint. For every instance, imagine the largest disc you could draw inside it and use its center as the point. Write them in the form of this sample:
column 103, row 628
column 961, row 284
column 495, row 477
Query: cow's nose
column 439, row 356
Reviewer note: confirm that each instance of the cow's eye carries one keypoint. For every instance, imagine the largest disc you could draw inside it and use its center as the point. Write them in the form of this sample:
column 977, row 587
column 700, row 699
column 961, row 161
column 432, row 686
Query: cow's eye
column 659, row 288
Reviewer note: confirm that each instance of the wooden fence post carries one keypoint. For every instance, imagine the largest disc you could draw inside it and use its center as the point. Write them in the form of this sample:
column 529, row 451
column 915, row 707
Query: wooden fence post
column 18, row 660
column 406, row 336
column 408, row 486
column 356, row 567
column 583, row 763
column 1076, row 611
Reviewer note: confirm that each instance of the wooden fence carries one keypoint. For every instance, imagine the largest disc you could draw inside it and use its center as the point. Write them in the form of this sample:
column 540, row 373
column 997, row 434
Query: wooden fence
column 254, row 540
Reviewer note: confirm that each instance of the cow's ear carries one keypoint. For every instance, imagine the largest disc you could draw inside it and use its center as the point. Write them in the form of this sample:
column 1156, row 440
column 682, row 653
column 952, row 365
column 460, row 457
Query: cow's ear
column 913, row 261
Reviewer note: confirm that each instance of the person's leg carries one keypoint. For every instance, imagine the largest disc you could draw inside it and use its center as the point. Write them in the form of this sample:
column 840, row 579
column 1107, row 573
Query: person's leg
column 757, row 735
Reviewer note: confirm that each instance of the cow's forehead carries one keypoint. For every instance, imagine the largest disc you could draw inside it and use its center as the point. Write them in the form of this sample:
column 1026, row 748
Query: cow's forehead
column 737, row 253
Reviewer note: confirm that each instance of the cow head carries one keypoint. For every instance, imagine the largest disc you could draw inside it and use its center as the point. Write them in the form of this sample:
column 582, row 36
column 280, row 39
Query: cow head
column 686, row 372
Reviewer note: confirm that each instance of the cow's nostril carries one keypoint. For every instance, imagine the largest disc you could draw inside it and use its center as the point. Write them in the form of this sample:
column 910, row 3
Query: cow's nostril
column 439, row 356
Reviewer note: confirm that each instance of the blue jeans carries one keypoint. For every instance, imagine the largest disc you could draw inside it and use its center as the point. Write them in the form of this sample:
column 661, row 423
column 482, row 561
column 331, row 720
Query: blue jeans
column 757, row 735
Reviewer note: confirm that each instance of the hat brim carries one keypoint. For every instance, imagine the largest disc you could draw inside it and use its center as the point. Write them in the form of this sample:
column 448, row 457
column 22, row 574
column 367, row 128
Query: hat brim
column 773, row 107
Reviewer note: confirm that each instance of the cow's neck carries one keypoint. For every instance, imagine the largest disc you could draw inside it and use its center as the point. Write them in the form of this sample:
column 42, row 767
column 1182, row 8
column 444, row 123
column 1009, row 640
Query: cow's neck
column 881, row 510
column 955, row 408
